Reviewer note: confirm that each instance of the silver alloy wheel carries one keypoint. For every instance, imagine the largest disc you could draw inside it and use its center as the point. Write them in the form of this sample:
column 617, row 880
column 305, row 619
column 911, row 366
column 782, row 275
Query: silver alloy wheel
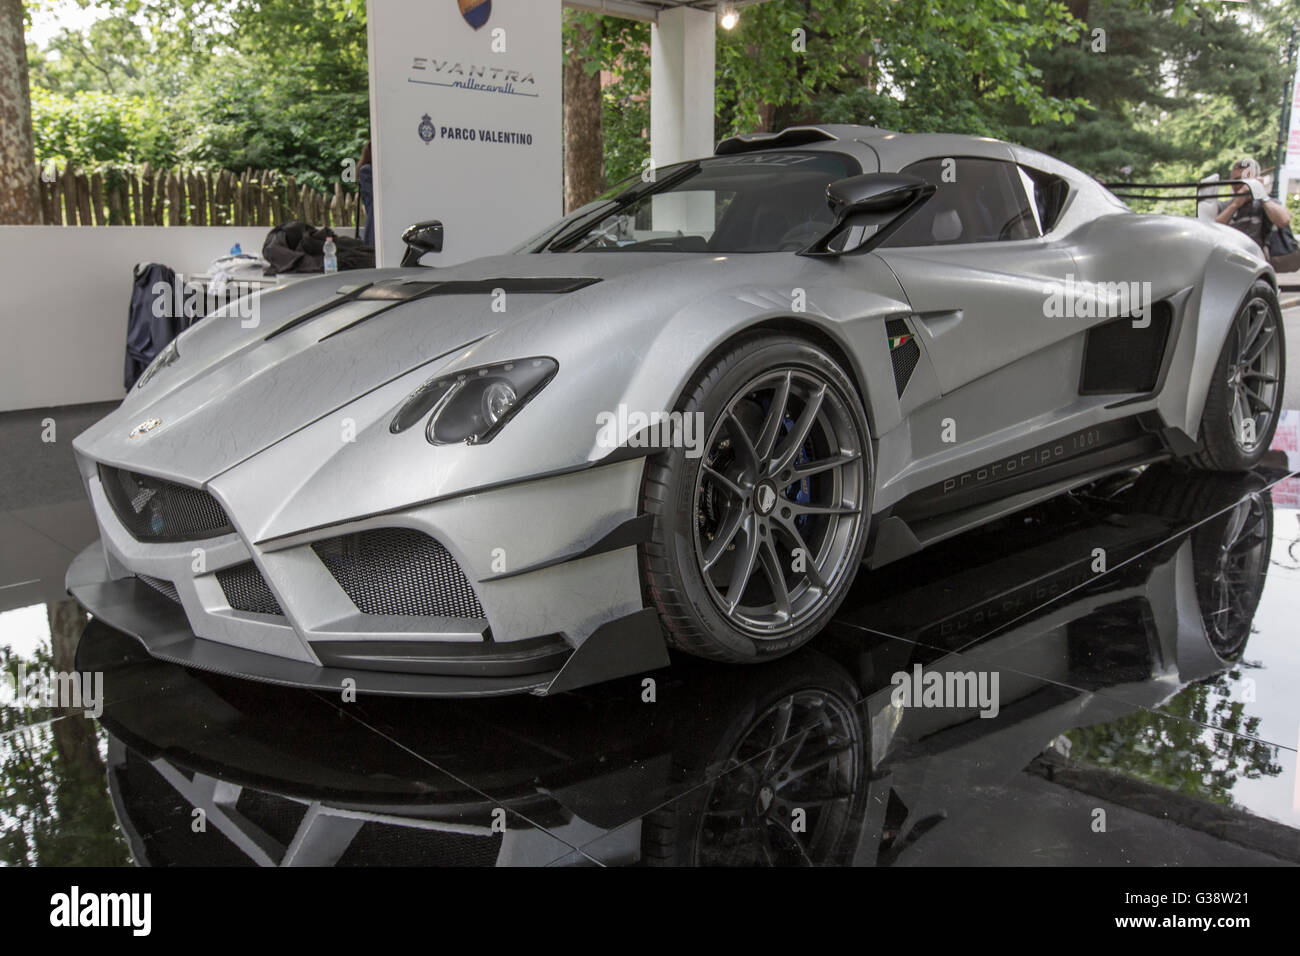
column 1253, row 375
column 779, row 501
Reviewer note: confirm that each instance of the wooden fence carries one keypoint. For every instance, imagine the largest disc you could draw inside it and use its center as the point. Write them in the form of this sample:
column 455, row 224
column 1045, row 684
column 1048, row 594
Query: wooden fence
column 188, row 197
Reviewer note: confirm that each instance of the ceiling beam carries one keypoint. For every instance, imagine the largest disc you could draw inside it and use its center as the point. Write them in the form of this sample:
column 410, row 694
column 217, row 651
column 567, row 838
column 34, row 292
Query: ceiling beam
column 647, row 11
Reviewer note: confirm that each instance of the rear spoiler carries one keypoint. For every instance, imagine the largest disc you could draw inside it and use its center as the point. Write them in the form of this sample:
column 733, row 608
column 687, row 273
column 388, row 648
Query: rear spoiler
column 795, row 136
column 1174, row 192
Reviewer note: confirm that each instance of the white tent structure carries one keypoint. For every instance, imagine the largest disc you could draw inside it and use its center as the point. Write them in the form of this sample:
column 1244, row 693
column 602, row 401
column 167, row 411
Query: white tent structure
column 682, row 70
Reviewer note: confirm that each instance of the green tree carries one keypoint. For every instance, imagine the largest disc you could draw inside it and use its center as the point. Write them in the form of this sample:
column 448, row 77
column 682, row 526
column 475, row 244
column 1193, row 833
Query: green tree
column 944, row 64
column 112, row 54
column 1200, row 743
column 620, row 48
column 19, row 184
column 1171, row 91
column 276, row 84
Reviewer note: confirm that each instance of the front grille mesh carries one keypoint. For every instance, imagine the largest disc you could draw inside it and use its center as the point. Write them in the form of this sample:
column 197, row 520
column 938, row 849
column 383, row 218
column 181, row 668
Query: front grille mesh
column 152, row 509
column 165, row 588
column 392, row 844
column 399, row 571
column 246, row 590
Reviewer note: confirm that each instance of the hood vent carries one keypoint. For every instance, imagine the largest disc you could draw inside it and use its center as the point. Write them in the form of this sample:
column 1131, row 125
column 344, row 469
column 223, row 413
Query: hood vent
column 397, row 294
column 408, row 291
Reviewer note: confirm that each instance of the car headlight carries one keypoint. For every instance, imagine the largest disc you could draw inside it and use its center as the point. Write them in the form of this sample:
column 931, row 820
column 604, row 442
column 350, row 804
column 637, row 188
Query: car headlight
column 166, row 357
column 474, row 405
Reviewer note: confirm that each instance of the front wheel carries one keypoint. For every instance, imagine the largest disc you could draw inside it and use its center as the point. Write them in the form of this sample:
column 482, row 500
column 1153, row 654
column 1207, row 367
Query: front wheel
column 758, row 532
column 1245, row 395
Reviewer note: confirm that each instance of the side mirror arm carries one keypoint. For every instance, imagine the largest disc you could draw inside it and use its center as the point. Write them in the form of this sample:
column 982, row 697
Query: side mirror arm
column 885, row 213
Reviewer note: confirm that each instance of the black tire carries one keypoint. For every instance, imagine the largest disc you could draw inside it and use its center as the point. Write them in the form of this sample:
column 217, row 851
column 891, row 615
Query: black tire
column 694, row 505
column 1222, row 447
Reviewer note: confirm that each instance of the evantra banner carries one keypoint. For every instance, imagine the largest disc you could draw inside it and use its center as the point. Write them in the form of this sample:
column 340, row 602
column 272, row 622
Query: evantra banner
column 465, row 108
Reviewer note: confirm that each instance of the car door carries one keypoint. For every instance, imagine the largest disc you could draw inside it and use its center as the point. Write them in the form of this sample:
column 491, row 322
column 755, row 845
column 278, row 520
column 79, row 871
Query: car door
column 978, row 270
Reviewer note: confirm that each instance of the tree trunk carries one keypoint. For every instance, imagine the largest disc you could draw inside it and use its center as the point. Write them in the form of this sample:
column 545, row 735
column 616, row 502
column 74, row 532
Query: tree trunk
column 20, row 198
column 584, row 141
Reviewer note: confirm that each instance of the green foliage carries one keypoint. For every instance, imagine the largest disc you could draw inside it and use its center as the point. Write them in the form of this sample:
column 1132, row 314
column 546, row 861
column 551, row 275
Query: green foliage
column 625, row 52
column 112, row 55
column 1177, row 92
column 942, row 64
column 271, row 84
column 1201, row 743
column 92, row 128
column 1180, row 90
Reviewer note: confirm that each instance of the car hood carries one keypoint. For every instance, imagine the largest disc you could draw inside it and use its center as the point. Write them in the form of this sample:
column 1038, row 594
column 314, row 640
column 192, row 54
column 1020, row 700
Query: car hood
column 319, row 345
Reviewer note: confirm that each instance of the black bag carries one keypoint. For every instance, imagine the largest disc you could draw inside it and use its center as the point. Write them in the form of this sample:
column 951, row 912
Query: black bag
column 300, row 247
column 1283, row 250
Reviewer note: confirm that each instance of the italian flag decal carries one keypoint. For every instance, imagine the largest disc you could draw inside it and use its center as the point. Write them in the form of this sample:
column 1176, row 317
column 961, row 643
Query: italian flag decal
column 898, row 341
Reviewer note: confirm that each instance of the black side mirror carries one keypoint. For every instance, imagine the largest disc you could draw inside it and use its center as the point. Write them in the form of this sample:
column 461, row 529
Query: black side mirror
column 868, row 210
column 421, row 238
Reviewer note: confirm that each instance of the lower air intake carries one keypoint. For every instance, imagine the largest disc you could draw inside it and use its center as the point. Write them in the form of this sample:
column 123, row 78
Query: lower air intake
column 246, row 590
column 399, row 571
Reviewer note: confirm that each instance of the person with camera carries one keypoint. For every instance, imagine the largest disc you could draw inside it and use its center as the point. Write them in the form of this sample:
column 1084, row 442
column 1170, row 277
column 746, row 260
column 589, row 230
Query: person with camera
column 1251, row 210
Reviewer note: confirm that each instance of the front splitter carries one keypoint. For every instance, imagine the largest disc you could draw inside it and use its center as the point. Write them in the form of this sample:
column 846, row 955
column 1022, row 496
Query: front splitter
column 619, row 648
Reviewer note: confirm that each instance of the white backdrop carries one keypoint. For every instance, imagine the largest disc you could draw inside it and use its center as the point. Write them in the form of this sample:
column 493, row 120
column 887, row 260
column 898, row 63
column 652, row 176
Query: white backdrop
column 67, row 295
column 466, row 121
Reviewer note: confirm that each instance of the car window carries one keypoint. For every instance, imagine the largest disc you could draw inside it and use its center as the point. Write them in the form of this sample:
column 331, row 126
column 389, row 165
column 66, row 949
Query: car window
column 1050, row 193
column 977, row 200
column 765, row 201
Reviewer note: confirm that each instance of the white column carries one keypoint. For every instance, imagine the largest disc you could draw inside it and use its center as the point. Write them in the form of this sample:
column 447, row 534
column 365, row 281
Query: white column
column 682, row 65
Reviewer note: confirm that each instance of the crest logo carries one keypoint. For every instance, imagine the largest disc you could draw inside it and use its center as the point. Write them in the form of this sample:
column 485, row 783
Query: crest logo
column 427, row 130
column 145, row 428
column 476, row 12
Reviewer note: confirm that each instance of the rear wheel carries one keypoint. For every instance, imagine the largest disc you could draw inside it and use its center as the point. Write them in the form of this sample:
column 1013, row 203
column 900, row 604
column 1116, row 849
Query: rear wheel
column 757, row 538
column 1242, row 405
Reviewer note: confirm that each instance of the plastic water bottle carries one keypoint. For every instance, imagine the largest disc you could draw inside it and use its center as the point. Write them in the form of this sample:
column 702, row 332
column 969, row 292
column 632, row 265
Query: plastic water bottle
column 331, row 255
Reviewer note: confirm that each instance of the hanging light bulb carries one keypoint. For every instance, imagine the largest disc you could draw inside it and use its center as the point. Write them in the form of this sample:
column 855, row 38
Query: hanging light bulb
column 730, row 17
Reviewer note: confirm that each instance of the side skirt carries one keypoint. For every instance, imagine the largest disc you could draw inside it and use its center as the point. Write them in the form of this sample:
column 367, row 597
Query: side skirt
column 1008, row 485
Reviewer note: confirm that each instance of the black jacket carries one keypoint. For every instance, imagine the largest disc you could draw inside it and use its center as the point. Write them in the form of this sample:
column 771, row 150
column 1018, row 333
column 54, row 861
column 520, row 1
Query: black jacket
column 153, row 320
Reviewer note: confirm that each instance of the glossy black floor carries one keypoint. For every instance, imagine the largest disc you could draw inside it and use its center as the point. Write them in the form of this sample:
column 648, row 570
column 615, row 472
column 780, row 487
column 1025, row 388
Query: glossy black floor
column 1146, row 714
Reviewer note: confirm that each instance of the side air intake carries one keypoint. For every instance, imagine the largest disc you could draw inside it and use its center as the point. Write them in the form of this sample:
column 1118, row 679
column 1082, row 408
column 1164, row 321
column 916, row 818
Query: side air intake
column 904, row 353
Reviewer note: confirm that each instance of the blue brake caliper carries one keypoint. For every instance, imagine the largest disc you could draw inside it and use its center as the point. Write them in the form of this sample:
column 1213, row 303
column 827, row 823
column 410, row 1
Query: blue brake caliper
column 802, row 489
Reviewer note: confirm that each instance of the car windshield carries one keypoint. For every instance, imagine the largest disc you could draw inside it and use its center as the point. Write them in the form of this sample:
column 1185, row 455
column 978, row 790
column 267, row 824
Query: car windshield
column 753, row 202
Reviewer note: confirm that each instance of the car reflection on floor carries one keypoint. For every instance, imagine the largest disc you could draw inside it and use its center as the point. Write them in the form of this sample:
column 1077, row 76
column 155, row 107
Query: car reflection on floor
column 1112, row 624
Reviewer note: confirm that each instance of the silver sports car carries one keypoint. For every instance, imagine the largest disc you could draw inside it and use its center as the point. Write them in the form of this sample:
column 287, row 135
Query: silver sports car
column 683, row 416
